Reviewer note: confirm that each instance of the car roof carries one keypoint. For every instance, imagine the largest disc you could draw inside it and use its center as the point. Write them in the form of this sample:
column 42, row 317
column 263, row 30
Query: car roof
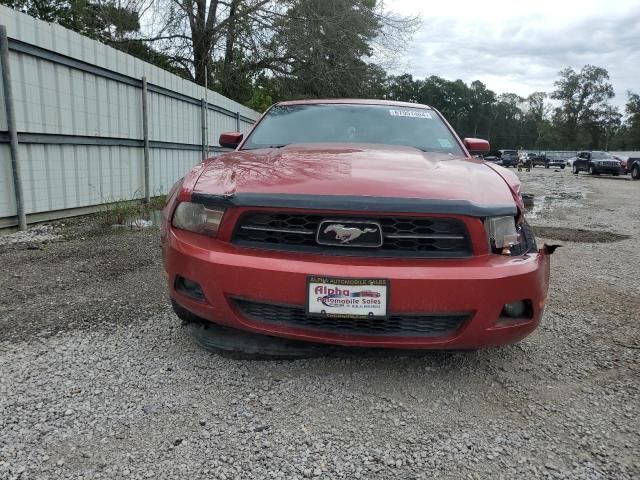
column 354, row 101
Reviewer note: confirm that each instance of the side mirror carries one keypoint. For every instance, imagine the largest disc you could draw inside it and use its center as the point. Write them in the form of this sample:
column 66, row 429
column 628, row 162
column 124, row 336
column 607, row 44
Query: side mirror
column 476, row 145
column 230, row 139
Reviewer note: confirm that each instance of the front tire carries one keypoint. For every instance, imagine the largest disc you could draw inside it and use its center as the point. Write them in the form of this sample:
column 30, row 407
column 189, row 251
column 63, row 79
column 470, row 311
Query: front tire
column 635, row 172
column 591, row 171
column 575, row 169
column 546, row 165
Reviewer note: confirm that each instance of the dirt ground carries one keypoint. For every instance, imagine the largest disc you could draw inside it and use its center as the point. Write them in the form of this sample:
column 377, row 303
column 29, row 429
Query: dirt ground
column 99, row 380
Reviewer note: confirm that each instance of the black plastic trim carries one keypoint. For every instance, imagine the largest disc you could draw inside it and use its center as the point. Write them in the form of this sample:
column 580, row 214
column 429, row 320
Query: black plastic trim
column 355, row 203
column 350, row 252
column 399, row 323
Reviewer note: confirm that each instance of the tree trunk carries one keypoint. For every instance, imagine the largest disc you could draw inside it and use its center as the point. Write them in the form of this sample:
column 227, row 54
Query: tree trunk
column 201, row 36
column 227, row 65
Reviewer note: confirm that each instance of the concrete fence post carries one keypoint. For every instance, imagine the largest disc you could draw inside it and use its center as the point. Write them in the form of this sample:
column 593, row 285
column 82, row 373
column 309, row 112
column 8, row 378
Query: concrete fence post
column 145, row 136
column 11, row 127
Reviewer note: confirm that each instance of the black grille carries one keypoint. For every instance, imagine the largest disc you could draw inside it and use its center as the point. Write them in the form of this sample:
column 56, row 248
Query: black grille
column 402, row 236
column 426, row 325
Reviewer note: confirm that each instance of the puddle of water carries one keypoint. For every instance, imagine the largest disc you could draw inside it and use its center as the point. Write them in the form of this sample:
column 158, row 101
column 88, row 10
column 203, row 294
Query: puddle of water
column 556, row 197
column 535, row 210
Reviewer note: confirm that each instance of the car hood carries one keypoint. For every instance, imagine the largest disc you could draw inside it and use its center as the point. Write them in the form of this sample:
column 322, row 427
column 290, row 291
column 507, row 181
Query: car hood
column 355, row 170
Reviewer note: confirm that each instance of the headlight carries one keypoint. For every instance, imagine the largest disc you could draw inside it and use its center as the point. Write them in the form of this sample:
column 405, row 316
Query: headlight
column 196, row 218
column 502, row 233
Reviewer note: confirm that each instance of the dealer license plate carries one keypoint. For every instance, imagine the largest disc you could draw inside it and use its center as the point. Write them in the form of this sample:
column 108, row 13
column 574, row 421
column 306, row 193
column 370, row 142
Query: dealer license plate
column 347, row 297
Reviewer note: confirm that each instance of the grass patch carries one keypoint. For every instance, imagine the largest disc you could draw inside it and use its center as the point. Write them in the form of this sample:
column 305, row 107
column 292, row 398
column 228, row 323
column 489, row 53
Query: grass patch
column 124, row 211
column 157, row 203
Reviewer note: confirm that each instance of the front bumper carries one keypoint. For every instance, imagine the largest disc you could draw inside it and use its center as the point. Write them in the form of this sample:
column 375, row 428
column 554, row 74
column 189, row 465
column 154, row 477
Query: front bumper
column 607, row 170
column 480, row 285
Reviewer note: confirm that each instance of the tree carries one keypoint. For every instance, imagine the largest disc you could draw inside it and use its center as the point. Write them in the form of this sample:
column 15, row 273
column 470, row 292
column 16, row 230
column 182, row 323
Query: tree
column 450, row 97
column 325, row 44
column 628, row 135
column 535, row 115
column 507, row 121
column 608, row 122
column 583, row 96
column 403, row 88
column 481, row 101
column 105, row 20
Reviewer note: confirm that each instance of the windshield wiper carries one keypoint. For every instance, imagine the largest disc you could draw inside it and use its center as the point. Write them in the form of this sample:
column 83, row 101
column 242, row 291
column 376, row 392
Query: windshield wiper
column 267, row 146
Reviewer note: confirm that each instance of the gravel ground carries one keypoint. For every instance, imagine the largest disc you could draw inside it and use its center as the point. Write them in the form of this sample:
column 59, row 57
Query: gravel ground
column 99, row 380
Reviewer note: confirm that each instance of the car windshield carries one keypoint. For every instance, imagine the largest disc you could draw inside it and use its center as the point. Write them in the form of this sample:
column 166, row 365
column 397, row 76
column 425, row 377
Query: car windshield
column 353, row 123
column 600, row 155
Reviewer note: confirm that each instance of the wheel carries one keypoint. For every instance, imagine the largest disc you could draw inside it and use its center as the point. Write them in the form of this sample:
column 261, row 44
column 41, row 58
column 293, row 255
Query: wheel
column 575, row 169
column 546, row 165
column 635, row 172
column 562, row 167
column 591, row 171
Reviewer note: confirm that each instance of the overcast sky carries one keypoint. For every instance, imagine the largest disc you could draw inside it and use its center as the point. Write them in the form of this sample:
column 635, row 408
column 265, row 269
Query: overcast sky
column 520, row 45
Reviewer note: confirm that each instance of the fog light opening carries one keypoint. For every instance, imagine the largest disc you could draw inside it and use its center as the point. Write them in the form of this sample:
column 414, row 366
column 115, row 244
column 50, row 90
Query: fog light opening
column 514, row 310
column 189, row 288
column 517, row 310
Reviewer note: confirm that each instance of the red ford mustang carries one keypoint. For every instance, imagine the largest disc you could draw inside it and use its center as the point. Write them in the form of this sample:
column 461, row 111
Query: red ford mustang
column 358, row 223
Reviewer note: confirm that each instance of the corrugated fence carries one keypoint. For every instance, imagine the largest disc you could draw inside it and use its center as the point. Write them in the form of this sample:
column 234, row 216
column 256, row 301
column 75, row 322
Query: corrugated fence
column 79, row 116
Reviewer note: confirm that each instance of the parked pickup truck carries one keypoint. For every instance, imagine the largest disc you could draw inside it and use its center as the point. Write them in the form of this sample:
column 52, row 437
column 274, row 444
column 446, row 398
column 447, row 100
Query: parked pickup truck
column 595, row 163
column 509, row 158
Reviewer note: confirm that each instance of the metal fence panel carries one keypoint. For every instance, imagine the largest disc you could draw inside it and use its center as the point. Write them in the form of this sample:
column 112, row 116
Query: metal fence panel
column 79, row 118
column 7, row 197
column 58, row 177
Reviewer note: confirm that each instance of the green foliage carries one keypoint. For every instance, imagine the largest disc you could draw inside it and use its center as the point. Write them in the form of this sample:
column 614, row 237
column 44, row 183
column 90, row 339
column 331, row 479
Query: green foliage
column 260, row 100
column 583, row 100
column 628, row 136
column 583, row 119
column 102, row 20
column 124, row 211
column 326, row 42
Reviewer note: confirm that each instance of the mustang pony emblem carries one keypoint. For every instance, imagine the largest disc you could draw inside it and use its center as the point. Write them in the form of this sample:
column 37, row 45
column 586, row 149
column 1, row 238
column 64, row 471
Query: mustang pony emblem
column 347, row 234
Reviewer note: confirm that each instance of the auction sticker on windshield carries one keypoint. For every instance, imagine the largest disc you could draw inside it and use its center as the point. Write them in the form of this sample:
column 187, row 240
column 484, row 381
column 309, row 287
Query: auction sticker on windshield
column 410, row 113
column 347, row 297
